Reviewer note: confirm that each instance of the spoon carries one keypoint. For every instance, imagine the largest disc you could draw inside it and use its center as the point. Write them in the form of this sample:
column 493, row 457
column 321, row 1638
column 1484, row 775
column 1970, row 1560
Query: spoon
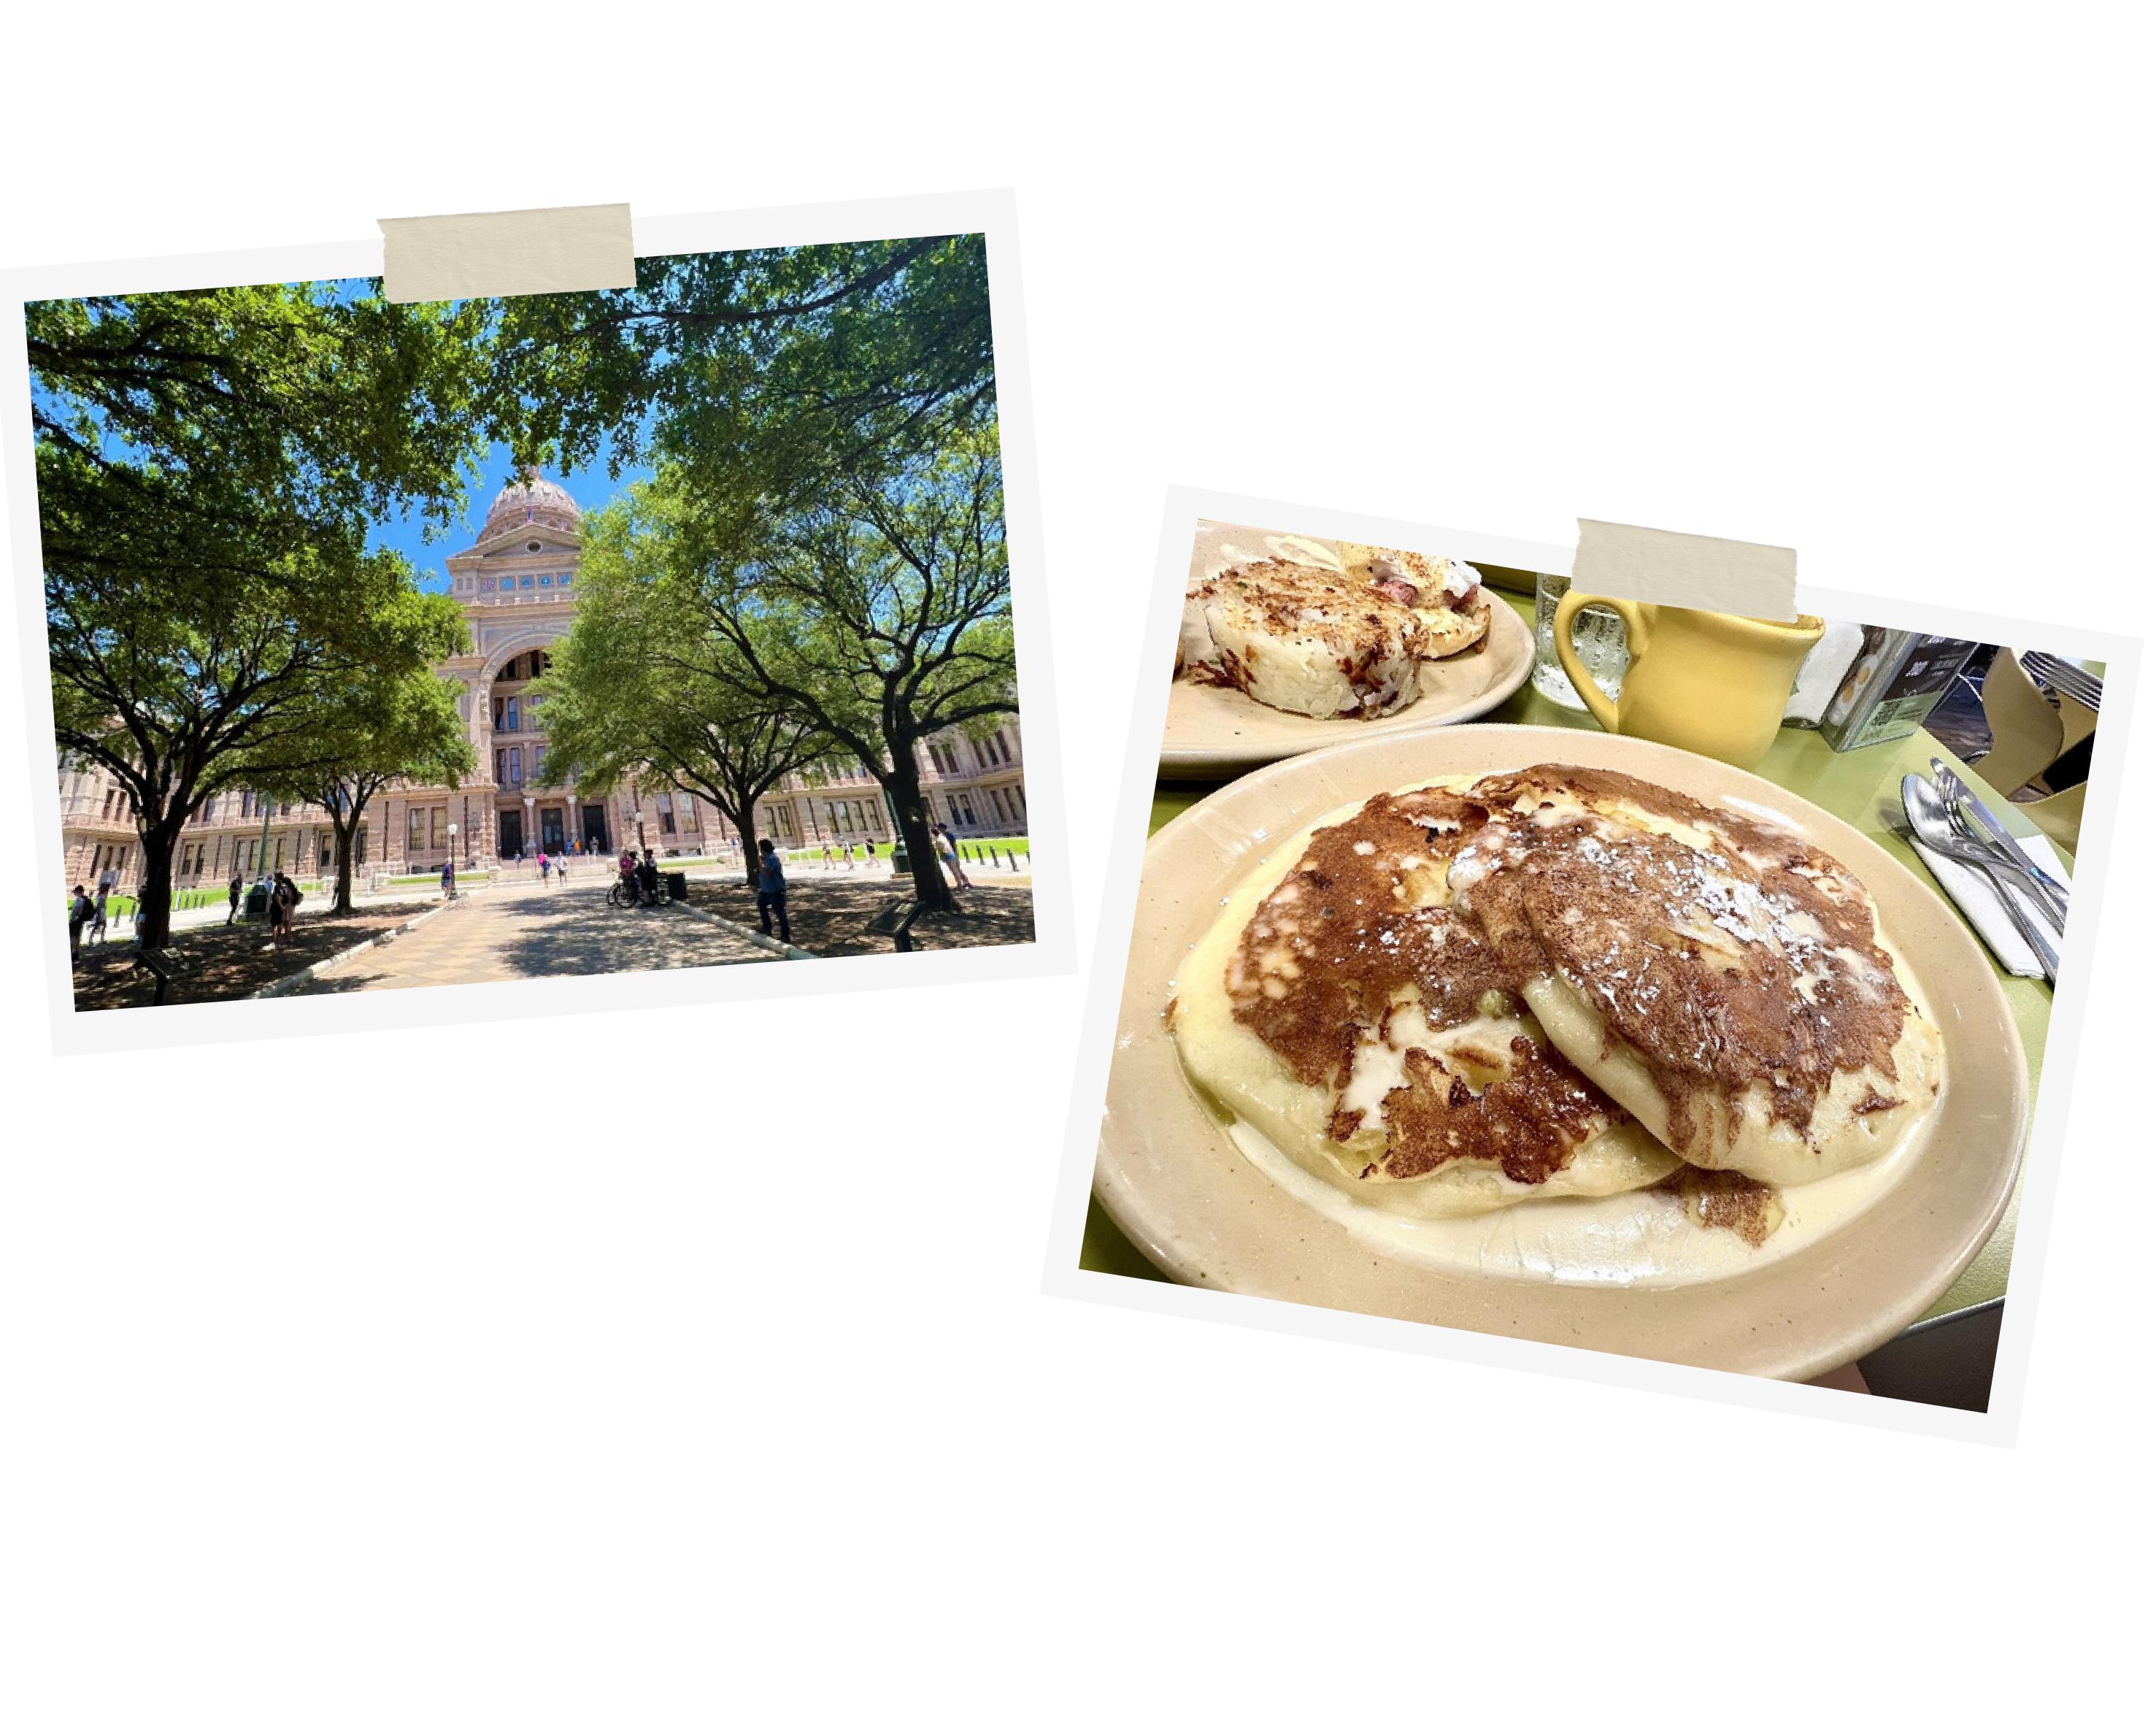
column 1933, row 826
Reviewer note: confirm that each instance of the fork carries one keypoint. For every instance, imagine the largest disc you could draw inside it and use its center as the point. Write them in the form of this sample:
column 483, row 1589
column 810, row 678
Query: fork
column 1950, row 845
column 2049, row 670
column 1965, row 814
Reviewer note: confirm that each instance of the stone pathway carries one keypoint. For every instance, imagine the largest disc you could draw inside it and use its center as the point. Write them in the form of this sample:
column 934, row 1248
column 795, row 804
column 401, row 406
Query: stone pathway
column 514, row 933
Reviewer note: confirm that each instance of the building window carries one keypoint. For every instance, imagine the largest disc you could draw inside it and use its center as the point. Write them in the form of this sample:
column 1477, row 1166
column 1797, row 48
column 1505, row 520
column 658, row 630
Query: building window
column 415, row 829
column 688, row 814
column 515, row 764
column 525, row 582
column 665, row 812
column 501, row 766
column 546, row 581
column 246, row 804
column 538, row 762
column 441, row 820
column 512, row 724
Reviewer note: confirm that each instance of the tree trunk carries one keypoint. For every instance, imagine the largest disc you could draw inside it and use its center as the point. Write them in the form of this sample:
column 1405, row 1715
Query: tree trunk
column 158, row 843
column 341, row 906
column 745, row 827
column 929, row 885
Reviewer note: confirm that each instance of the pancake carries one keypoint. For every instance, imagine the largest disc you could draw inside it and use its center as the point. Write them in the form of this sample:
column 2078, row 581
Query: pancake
column 1720, row 978
column 1302, row 639
column 1445, row 593
column 1344, row 1008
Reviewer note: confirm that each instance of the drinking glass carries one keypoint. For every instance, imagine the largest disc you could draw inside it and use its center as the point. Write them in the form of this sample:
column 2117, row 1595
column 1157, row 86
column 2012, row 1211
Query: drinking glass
column 1597, row 636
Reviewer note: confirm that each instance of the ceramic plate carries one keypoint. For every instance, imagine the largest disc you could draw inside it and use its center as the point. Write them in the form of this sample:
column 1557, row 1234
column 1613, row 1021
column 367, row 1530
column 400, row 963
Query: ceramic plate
column 1214, row 733
column 1180, row 1189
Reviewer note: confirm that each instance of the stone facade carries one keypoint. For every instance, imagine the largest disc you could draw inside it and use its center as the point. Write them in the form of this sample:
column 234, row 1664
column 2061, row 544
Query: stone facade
column 517, row 587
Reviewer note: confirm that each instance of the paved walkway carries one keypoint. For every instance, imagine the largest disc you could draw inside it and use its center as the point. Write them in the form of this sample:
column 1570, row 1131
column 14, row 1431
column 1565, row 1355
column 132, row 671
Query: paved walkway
column 516, row 932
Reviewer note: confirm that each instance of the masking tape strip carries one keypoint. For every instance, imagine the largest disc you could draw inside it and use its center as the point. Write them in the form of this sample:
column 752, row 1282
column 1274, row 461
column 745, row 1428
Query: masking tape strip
column 504, row 252
column 1690, row 570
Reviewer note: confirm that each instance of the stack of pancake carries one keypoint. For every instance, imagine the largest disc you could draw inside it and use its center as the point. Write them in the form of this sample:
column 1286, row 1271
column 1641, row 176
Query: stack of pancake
column 1558, row 983
column 1345, row 642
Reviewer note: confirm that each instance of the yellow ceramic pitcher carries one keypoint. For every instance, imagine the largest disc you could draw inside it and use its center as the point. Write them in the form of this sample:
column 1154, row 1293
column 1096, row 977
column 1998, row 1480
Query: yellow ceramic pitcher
column 1702, row 681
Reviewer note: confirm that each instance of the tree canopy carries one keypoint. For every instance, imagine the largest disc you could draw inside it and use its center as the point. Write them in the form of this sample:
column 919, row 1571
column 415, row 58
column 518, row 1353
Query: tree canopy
column 767, row 373
column 643, row 691
column 828, row 491
column 357, row 733
column 208, row 465
column 871, row 620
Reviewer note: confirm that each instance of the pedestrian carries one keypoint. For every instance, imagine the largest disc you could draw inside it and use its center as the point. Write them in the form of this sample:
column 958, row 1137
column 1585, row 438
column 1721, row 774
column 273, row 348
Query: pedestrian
column 827, row 859
column 561, row 866
column 947, row 847
column 628, row 874
column 108, row 879
column 97, row 926
column 232, row 915
column 79, row 915
column 846, row 851
column 647, row 878
column 449, row 879
column 546, row 868
column 770, row 891
column 282, row 895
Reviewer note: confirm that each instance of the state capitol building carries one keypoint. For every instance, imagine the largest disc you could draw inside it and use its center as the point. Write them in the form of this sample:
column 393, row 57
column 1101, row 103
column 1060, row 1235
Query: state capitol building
column 517, row 587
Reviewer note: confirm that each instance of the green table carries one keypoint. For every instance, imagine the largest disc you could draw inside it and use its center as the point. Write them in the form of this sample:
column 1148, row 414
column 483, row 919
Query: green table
column 1858, row 786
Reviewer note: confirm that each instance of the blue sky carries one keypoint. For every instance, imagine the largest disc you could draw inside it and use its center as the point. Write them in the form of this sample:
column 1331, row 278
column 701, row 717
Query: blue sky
column 590, row 486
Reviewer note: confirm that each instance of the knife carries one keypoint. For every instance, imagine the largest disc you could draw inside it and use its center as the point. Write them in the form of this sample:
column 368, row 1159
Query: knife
column 2051, row 893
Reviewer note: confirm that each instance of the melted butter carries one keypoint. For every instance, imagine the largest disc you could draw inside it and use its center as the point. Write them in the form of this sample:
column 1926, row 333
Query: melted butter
column 1640, row 1239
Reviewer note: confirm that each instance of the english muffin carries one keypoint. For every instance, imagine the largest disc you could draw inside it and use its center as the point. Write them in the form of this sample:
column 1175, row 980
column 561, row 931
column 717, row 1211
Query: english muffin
column 1302, row 639
column 1445, row 593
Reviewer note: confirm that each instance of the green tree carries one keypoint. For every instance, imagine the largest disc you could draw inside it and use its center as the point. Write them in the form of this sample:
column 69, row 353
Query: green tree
column 643, row 691
column 824, row 420
column 767, row 372
column 878, row 619
column 361, row 734
column 208, row 464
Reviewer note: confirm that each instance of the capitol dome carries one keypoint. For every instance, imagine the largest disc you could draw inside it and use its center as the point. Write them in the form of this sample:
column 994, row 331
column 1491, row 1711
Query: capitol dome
column 531, row 500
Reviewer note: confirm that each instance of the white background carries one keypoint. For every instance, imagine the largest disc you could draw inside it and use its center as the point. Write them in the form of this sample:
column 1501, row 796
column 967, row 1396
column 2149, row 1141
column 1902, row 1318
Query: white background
column 517, row 1374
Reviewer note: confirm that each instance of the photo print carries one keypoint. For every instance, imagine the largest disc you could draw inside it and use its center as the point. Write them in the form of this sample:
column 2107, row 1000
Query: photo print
column 669, row 628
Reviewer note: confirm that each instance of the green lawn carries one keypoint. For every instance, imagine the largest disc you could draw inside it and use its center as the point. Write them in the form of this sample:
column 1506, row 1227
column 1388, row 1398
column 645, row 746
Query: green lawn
column 121, row 906
column 969, row 851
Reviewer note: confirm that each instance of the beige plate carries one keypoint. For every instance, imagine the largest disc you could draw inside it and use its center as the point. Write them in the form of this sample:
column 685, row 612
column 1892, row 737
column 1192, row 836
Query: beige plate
column 1178, row 1186
column 1213, row 733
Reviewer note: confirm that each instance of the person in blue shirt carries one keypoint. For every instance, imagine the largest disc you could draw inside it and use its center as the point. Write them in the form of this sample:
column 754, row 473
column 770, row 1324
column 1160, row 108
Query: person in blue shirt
column 770, row 891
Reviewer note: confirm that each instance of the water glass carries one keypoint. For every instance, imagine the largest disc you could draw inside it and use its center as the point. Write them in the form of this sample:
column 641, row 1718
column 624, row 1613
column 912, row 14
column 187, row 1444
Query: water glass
column 1597, row 636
